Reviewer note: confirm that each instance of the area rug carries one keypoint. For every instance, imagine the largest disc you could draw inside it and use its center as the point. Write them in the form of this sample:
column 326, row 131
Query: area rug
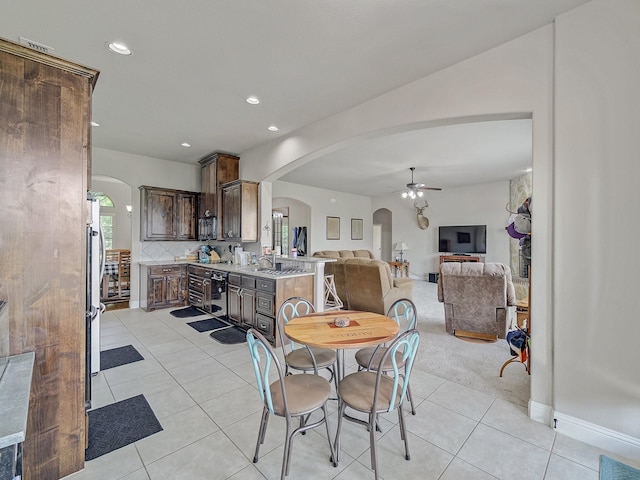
column 475, row 365
column 119, row 424
column 119, row 356
column 229, row 336
column 186, row 312
column 208, row 324
column 611, row 469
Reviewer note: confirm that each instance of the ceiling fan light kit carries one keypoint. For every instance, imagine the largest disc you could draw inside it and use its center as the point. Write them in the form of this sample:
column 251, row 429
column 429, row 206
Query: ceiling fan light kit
column 414, row 190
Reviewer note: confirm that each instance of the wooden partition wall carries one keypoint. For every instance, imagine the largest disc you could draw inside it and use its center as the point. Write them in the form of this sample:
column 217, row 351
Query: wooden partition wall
column 45, row 114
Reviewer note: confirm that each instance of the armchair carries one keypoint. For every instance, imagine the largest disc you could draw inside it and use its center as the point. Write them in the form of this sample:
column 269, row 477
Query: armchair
column 371, row 287
column 476, row 298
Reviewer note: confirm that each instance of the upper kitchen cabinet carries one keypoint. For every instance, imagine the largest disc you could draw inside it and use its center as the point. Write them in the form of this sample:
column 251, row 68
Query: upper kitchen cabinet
column 240, row 211
column 168, row 214
column 217, row 169
column 45, row 149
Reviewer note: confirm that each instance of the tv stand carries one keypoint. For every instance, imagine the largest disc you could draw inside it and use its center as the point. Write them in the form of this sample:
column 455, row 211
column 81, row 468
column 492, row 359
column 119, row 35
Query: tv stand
column 460, row 258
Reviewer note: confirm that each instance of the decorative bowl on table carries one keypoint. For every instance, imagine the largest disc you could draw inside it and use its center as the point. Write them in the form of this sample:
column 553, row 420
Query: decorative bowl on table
column 341, row 321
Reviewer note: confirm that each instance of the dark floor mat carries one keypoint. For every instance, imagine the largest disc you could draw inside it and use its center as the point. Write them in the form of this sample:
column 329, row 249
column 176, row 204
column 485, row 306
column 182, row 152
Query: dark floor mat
column 119, row 424
column 186, row 312
column 119, row 356
column 229, row 335
column 208, row 324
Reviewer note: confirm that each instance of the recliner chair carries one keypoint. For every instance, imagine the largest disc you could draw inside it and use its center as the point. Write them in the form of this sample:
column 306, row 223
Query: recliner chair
column 476, row 298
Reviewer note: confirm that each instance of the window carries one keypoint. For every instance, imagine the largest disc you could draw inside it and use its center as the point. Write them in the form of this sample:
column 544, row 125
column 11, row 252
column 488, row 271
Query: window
column 107, row 223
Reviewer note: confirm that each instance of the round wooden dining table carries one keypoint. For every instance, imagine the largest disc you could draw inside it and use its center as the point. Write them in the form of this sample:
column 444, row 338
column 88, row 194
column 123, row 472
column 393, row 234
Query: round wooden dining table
column 319, row 330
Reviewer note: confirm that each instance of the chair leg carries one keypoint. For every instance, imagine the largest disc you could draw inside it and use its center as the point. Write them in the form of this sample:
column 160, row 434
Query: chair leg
column 341, row 408
column 261, row 433
column 287, row 452
column 403, row 433
column 413, row 408
column 373, row 420
column 326, row 423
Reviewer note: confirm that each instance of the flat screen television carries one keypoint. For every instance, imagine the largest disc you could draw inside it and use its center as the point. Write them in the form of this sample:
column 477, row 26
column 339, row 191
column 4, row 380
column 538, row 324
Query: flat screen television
column 462, row 239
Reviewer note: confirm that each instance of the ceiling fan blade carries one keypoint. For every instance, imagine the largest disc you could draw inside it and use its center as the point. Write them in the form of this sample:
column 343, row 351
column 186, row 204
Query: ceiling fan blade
column 437, row 189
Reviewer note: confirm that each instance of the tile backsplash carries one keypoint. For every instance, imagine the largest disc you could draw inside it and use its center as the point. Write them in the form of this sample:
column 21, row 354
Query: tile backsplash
column 161, row 251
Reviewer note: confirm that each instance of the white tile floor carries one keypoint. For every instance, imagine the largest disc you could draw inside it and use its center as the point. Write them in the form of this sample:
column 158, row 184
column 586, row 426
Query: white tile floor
column 204, row 395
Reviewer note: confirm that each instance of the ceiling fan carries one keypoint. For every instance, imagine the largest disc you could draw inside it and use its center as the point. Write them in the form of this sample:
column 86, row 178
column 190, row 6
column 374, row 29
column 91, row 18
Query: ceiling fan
column 415, row 189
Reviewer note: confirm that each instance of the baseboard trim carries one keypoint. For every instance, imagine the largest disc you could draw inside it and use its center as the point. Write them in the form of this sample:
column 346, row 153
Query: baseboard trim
column 541, row 413
column 598, row 436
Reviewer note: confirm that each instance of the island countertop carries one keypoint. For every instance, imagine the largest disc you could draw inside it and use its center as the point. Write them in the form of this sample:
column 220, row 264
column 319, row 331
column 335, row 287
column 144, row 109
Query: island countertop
column 15, row 387
column 245, row 269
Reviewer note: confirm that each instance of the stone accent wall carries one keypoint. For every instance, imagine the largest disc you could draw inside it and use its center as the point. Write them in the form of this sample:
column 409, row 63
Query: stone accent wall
column 519, row 189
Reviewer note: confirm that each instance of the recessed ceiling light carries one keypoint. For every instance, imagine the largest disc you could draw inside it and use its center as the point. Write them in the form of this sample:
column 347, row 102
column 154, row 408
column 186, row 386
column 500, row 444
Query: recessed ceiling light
column 273, row 128
column 118, row 47
column 185, row 144
column 253, row 100
column 95, row 124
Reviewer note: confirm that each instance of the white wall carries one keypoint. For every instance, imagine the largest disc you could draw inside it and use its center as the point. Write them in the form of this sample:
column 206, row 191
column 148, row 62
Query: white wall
column 596, row 176
column 482, row 204
column 344, row 205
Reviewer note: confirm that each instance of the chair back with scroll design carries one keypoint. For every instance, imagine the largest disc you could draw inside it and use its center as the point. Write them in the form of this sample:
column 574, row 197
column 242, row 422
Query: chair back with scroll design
column 376, row 391
column 289, row 396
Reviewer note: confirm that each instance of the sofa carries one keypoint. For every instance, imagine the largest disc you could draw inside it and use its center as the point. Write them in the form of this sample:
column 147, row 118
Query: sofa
column 364, row 283
column 477, row 298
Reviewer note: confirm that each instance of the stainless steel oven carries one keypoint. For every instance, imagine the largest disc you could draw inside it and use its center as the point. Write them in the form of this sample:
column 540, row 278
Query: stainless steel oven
column 208, row 290
column 219, row 293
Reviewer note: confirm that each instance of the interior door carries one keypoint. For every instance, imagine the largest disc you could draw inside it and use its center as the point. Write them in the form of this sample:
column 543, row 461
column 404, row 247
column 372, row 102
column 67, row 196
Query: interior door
column 377, row 241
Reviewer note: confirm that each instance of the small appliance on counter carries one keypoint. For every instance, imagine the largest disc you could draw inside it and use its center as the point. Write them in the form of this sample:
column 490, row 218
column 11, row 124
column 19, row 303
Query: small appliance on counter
column 207, row 228
column 203, row 255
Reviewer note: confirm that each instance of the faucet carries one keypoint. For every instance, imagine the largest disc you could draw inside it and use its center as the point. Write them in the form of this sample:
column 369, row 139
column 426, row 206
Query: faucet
column 271, row 260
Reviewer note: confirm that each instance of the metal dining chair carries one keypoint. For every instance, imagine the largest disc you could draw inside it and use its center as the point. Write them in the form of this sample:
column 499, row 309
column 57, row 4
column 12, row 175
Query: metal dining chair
column 289, row 396
column 375, row 392
column 404, row 313
column 302, row 357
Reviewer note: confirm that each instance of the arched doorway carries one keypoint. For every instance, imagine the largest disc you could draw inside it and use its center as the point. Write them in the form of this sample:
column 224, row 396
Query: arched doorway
column 298, row 216
column 382, row 232
column 115, row 219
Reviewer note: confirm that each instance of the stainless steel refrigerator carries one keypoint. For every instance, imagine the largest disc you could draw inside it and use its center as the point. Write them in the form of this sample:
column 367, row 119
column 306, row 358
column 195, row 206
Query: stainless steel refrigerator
column 95, row 270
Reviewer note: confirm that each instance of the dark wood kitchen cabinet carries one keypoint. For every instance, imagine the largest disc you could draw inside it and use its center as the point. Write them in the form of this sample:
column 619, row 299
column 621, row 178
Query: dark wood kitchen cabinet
column 168, row 214
column 45, row 133
column 242, row 300
column 254, row 301
column 240, row 211
column 217, row 169
column 166, row 286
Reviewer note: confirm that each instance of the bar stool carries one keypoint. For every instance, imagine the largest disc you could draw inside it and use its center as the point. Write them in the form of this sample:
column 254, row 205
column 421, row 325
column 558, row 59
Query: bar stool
column 331, row 299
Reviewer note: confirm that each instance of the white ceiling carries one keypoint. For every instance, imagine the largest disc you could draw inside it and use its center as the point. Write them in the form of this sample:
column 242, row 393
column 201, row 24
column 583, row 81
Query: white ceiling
column 195, row 62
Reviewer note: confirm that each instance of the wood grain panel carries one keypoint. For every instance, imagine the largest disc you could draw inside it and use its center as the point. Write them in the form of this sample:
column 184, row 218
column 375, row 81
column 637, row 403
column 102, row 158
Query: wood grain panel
column 44, row 124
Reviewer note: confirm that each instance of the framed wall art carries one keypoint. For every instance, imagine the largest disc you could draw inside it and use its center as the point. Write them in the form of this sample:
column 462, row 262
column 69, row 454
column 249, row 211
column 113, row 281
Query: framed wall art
column 333, row 228
column 356, row 229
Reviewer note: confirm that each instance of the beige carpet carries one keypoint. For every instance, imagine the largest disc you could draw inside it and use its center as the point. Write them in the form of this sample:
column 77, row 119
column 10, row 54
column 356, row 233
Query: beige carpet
column 476, row 365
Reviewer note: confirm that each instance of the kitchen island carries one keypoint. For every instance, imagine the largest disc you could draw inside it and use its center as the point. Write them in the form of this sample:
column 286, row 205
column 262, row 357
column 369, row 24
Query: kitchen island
column 254, row 294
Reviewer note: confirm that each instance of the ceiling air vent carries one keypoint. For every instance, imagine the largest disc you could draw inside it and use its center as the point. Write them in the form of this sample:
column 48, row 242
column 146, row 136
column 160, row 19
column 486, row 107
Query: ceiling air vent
column 35, row 45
